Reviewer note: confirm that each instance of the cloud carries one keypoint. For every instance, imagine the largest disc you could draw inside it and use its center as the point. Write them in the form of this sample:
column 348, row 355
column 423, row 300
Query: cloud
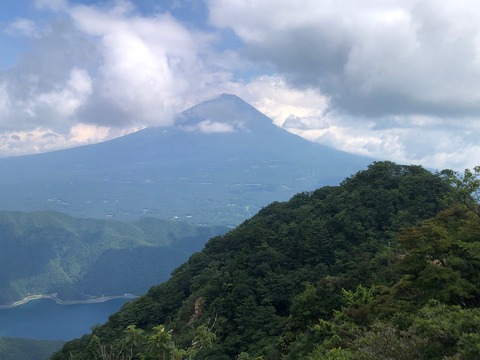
column 392, row 79
column 29, row 99
column 208, row 126
column 274, row 97
column 106, row 65
column 5, row 101
column 148, row 65
column 434, row 141
column 370, row 58
column 39, row 140
column 50, row 84
column 55, row 5
column 389, row 79
column 24, row 27
column 439, row 144
column 64, row 102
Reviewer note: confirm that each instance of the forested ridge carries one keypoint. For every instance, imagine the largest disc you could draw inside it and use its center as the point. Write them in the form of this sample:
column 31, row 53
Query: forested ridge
column 27, row 349
column 384, row 266
column 48, row 252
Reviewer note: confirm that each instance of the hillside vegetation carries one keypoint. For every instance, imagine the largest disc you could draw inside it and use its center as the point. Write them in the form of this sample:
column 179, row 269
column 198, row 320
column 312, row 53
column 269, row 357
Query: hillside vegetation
column 27, row 349
column 47, row 252
column 384, row 266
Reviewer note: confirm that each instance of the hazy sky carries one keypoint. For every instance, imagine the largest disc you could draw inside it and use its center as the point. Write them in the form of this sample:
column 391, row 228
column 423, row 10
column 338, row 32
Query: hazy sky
column 395, row 80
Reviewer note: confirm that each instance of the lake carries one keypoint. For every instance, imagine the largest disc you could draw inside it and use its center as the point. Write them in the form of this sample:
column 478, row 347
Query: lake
column 45, row 319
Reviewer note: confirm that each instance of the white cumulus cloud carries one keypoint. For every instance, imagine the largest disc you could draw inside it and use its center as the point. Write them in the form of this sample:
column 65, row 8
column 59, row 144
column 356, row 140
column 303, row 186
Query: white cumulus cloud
column 106, row 65
column 399, row 79
column 209, row 126
column 372, row 57
column 393, row 79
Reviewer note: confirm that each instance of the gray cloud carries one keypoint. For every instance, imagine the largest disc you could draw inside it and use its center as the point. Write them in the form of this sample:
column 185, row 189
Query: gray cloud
column 105, row 66
column 47, row 87
column 396, row 79
column 208, row 126
column 370, row 58
column 94, row 72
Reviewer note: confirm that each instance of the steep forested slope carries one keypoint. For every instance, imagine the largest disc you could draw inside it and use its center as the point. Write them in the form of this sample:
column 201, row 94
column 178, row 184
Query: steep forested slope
column 344, row 272
column 47, row 252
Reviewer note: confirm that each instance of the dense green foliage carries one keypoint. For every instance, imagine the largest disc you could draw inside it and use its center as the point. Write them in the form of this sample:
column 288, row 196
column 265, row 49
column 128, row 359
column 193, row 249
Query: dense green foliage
column 46, row 252
column 378, row 267
column 155, row 344
column 26, row 349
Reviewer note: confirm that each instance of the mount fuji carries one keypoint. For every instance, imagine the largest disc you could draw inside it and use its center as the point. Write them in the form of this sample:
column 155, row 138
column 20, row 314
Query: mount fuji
column 221, row 162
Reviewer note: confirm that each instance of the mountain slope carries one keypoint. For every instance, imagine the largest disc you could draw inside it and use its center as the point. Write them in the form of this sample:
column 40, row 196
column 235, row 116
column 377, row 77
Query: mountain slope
column 47, row 252
column 220, row 164
column 27, row 349
column 263, row 286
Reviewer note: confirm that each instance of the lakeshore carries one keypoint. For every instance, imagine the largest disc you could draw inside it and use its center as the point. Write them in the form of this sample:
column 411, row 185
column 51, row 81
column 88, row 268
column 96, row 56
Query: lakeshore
column 43, row 318
column 59, row 301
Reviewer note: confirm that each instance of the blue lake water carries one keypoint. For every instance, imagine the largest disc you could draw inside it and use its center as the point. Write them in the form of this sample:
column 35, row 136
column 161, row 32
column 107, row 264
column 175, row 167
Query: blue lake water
column 45, row 319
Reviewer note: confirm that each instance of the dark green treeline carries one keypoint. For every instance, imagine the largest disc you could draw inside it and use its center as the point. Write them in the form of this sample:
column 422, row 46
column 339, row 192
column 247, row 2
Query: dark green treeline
column 382, row 266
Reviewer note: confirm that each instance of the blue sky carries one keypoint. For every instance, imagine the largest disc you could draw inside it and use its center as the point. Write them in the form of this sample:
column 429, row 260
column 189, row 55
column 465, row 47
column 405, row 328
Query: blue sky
column 393, row 79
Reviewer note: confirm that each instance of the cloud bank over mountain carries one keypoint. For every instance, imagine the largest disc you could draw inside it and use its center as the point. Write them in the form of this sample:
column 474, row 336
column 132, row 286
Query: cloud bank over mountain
column 363, row 77
column 389, row 70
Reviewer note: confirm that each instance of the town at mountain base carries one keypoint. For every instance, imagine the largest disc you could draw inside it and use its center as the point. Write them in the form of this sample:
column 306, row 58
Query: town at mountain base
column 383, row 266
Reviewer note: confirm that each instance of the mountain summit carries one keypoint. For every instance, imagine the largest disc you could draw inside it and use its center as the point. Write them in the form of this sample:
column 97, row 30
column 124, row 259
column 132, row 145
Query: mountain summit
column 226, row 113
column 221, row 162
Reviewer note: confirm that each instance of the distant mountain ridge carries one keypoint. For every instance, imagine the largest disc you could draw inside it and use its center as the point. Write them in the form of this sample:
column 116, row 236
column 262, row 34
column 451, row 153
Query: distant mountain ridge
column 48, row 252
column 220, row 164
column 27, row 349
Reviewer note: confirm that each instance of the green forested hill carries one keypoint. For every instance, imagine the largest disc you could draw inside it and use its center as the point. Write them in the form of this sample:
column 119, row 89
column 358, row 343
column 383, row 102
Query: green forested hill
column 375, row 268
column 27, row 349
column 48, row 252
